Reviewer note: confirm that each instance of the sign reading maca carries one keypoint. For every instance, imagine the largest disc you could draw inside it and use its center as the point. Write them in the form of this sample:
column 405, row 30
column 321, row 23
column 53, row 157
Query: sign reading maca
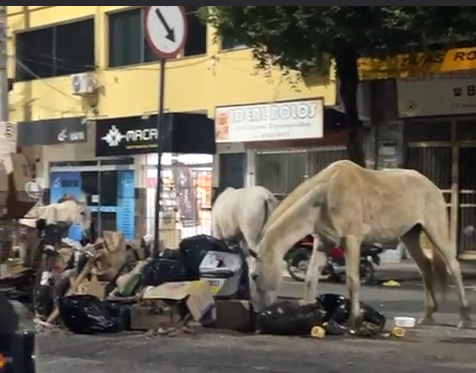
column 270, row 122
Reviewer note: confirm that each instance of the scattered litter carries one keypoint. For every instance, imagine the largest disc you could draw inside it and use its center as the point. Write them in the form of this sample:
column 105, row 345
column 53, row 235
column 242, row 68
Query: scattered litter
column 111, row 286
column 398, row 332
column 404, row 322
column 86, row 314
column 318, row 332
column 331, row 312
column 391, row 284
column 285, row 318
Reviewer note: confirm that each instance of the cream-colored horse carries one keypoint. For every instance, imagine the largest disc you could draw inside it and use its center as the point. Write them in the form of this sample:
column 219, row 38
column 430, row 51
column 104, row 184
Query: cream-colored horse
column 347, row 204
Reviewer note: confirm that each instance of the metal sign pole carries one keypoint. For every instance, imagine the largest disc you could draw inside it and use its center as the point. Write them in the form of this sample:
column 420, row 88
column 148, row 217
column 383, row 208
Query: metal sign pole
column 166, row 33
column 158, row 192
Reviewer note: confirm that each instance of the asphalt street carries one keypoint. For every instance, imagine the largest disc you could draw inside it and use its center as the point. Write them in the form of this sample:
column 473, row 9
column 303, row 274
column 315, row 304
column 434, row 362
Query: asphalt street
column 425, row 349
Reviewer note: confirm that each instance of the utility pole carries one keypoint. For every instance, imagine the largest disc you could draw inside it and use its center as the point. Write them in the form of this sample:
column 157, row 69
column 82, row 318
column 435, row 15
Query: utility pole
column 7, row 139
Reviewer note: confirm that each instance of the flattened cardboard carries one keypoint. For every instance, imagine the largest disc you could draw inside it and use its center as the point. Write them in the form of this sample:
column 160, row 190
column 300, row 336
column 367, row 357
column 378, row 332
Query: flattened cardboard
column 196, row 294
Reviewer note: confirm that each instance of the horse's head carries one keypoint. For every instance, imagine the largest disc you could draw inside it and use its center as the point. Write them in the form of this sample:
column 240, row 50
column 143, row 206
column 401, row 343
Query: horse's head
column 265, row 277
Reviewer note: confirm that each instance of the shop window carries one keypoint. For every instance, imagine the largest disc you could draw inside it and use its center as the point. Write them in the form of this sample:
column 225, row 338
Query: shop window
column 100, row 187
column 232, row 44
column 55, row 51
column 196, row 43
column 109, row 185
column 127, row 43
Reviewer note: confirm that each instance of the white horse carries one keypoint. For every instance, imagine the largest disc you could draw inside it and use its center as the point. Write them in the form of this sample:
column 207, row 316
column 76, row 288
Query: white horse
column 347, row 204
column 70, row 211
column 240, row 214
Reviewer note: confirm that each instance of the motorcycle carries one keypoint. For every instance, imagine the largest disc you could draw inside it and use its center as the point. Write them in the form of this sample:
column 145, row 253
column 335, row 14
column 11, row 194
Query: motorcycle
column 297, row 261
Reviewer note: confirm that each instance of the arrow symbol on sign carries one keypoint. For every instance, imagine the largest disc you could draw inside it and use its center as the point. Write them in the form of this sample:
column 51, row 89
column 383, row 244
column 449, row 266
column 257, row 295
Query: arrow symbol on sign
column 170, row 31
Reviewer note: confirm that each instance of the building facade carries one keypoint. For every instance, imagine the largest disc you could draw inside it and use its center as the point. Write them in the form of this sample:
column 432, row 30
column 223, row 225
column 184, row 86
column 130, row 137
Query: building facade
column 85, row 74
column 425, row 119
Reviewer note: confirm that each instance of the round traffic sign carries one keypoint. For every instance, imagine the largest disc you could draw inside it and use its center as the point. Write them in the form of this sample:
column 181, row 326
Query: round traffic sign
column 166, row 30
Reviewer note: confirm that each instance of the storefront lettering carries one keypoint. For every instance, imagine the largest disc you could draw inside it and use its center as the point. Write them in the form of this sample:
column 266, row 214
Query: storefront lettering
column 469, row 90
column 465, row 55
column 274, row 112
column 147, row 134
column 422, row 59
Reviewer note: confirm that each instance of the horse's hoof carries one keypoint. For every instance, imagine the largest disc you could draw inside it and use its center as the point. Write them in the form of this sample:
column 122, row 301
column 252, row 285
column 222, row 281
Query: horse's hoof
column 355, row 322
column 304, row 302
column 465, row 324
column 426, row 321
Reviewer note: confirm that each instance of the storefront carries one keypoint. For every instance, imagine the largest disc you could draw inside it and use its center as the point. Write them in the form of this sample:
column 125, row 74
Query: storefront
column 286, row 142
column 67, row 164
column 186, row 196
column 439, row 117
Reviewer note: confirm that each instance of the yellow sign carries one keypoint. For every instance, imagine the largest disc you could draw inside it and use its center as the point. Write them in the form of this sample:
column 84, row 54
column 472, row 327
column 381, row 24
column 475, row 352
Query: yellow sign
column 215, row 286
column 409, row 65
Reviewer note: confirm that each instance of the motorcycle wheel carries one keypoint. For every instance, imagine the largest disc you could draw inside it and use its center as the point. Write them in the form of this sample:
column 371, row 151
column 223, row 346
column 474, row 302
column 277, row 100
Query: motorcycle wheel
column 367, row 272
column 297, row 264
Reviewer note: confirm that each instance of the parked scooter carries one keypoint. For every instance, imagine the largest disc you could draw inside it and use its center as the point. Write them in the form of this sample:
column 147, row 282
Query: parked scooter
column 297, row 261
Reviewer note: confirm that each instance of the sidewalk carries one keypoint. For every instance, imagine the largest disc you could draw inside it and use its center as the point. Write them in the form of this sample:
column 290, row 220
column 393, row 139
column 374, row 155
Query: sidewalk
column 407, row 270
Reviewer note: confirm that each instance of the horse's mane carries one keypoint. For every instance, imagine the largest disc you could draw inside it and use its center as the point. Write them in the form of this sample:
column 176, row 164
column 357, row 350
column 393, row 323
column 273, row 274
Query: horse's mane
column 68, row 197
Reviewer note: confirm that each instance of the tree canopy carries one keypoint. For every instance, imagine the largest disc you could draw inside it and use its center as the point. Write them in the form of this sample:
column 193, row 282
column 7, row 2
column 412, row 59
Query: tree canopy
column 303, row 38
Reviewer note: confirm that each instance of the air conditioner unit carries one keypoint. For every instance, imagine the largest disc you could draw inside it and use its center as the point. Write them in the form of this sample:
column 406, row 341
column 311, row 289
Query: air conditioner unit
column 83, row 84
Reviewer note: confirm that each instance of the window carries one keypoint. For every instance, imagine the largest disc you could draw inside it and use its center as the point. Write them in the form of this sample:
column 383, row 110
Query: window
column 127, row 44
column 55, row 51
column 196, row 43
column 231, row 44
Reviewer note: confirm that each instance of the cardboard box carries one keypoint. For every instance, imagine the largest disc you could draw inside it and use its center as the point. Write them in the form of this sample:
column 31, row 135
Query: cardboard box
column 93, row 287
column 15, row 177
column 235, row 315
column 151, row 315
column 195, row 294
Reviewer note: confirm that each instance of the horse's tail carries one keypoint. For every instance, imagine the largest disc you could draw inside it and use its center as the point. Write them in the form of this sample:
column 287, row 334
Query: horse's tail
column 439, row 272
column 270, row 204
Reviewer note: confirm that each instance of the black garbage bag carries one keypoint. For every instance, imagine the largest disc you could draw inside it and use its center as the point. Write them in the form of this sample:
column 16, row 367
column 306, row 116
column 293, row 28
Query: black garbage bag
column 51, row 234
column 330, row 302
column 289, row 318
column 86, row 314
column 121, row 312
column 161, row 270
column 337, row 311
column 44, row 300
column 195, row 248
column 172, row 255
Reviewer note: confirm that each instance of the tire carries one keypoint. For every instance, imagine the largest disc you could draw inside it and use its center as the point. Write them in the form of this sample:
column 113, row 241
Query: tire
column 367, row 272
column 297, row 257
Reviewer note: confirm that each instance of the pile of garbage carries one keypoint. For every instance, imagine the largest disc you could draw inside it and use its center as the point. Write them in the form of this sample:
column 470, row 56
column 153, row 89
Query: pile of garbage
column 112, row 286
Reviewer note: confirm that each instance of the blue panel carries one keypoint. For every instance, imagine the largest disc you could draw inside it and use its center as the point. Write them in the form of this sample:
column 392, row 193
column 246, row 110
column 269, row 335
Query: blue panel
column 56, row 190
column 62, row 183
column 126, row 204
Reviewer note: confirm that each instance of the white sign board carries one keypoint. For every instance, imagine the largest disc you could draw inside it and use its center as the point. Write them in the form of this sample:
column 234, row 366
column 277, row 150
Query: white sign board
column 166, row 30
column 437, row 94
column 267, row 122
